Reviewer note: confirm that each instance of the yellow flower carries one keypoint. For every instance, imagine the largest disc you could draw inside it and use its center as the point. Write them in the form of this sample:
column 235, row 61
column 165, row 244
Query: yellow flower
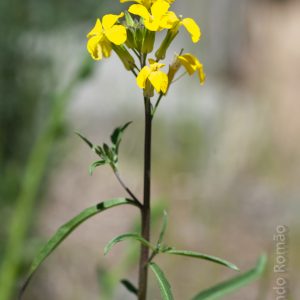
column 104, row 34
column 192, row 64
column 190, row 25
column 158, row 17
column 152, row 74
column 146, row 3
column 173, row 23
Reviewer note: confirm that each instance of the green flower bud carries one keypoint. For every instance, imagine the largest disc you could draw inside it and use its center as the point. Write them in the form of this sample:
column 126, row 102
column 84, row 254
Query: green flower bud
column 170, row 36
column 125, row 56
column 148, row 41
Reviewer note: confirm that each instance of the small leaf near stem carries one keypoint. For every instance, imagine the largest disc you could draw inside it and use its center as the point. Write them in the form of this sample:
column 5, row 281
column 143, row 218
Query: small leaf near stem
column 163, row 230
column 124, row 237
column 129, row 286
column 165, row 287
column 202, row 256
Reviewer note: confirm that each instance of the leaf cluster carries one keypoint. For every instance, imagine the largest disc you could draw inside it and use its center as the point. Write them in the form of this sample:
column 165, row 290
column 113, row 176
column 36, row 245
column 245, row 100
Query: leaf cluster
column 109, row 155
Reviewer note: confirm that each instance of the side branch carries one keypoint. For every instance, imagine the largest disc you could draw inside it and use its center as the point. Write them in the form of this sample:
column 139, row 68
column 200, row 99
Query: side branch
column 126, row 188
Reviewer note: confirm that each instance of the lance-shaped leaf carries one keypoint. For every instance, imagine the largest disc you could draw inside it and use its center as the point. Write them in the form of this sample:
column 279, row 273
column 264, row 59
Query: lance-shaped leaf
column 116, row 136
column 89, row 143
column 129, row 286
column 164, row 285
column 66, row 229
column 97, row 149
column 163, row 229
column 231, row 285
column 201, row 256
column 96, row 164
column 126, row 236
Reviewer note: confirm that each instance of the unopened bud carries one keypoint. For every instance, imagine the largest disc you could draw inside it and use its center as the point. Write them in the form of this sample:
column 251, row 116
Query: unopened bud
column 171, row 34
column 125, row 57
column 148, row 41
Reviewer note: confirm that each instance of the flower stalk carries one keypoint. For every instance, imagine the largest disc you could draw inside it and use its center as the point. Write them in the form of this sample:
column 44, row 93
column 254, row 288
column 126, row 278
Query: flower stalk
column 146, row 209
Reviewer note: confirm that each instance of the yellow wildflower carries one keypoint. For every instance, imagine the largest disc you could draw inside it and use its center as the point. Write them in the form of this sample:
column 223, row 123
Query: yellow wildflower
column 157, row 18
column 152, row 74
column 173, row 23
column 104, row 34
column 190, row 25
column 146, row 3
column 192, row 64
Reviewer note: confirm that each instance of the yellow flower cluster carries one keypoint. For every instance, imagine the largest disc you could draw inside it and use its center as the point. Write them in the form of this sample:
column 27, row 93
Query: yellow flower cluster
column 137, row 33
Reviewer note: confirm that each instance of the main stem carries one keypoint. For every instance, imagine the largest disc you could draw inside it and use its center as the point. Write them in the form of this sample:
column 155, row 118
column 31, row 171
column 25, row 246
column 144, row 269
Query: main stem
column 146, row 209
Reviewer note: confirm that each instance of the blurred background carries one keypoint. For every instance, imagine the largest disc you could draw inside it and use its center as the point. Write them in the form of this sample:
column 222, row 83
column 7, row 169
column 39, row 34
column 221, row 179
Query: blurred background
column 225, row 158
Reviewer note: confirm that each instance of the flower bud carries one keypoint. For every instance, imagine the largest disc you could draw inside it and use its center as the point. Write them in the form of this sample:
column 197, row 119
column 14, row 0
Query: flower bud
column 148, row 41
column 125, row 57
column 171, row 34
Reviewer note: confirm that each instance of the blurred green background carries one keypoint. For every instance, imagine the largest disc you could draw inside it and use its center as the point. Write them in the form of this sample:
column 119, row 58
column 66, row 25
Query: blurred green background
column 226, row 155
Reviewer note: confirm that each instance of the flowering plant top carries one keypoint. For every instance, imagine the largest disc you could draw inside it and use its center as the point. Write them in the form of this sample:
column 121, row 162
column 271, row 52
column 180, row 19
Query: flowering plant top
column 131, row 35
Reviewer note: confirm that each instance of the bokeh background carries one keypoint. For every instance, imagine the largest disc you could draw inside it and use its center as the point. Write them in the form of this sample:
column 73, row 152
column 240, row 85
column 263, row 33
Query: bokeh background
column 225, row 162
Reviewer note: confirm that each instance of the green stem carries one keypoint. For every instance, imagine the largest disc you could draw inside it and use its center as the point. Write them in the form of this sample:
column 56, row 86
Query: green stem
column 146, row 209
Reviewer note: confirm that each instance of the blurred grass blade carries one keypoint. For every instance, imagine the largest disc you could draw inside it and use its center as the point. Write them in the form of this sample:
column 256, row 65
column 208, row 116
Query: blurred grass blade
column 202, row 256
column 233, row 284
column 164, row 285
column 65, row 230
column 129, row 286
column 163, row 229
column 31, row 181
column 124, row 237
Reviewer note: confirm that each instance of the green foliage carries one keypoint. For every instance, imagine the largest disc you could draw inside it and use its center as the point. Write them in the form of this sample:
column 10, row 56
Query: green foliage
column 165, row 287
column 109, row 155
column 129, row 286
column 231, row 285
column 202, row 256
column 65, row 230
column 163, row 230
column 126, row 236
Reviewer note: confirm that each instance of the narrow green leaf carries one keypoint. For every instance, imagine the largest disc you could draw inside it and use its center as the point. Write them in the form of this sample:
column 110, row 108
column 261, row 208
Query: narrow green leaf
column 117, row 135
column 165, row 287
column 231, row 285
column 124, row 237
column 65, row 230
column 96, row 164
column 163, row 229
column 202, row 256
column 89, row 143
column 129, row 286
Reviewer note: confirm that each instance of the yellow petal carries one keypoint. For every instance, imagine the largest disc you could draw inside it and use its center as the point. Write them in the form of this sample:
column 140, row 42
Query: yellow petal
column 192, row 27
column 139, row 10
column 201, row 75
column 169, row 20
column 109, row 20
column 142, row 77
column 106, row 47
column 117, row 34
column 96, row 30
column 192, row 64
column 152, row 24
column 94, row 47
column 187, row 63
column 159, row 8
column 159, row 80
column 164, row 82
